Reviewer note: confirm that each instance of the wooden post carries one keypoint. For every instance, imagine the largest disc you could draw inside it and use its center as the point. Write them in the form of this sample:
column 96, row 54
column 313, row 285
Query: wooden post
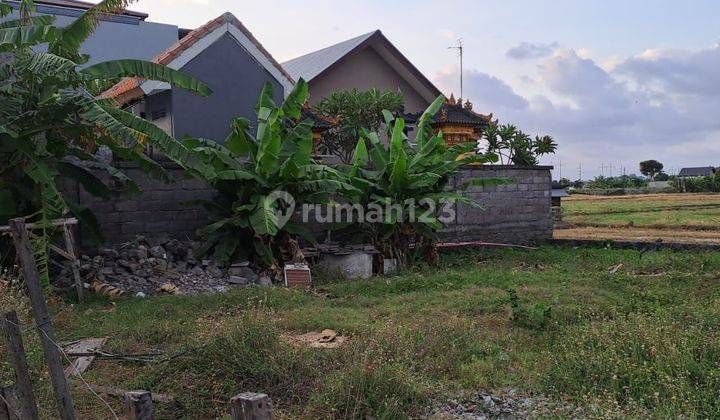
column 139, row 406
column 9, row 407
column 26, row 398
column 251, row 406
column 42, row 319
column 70, row 247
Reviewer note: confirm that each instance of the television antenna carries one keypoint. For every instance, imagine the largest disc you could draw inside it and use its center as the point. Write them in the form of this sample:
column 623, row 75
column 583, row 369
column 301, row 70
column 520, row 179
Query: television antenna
column 459, row 47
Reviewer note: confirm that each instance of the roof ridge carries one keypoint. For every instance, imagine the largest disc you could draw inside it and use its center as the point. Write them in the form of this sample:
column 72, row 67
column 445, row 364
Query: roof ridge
column 128, row 89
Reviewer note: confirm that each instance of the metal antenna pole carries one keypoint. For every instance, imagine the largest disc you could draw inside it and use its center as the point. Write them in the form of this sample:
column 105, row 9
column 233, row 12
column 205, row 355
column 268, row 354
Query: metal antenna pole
column 459, row 47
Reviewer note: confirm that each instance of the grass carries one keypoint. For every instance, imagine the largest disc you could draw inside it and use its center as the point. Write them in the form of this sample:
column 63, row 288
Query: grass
column 687, row 218
column 642, row 341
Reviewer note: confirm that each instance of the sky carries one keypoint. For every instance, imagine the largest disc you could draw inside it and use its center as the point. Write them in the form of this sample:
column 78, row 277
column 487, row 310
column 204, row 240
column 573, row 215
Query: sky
column 613, row 82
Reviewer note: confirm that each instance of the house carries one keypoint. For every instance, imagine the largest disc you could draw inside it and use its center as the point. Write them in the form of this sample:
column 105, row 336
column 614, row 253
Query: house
column 364, row 62
column 124, row 35
column 696, row 172
column 557, row 193
column 228, row 58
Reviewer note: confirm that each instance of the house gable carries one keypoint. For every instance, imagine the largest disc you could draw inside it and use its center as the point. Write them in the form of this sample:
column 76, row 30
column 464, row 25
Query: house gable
column 236, row 79
column 364, row 62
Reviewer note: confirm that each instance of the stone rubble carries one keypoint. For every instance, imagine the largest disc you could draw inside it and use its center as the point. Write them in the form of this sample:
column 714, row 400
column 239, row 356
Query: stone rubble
column 507, row 403
column 143, row 266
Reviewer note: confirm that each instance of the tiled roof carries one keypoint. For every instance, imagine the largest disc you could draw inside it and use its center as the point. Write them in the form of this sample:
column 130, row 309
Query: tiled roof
column 454, row 114
column 700, row 171
column 129, row 89
column 310, row 65
column 84, row 5
column 319, row 122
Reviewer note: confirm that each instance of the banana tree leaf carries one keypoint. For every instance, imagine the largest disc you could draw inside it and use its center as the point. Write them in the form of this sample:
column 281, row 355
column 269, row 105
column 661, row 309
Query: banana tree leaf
column 148, row 71
column 264, row 220
column 158, row 138
column 265, row 100
column 7, row 205
column 424, row 130
column 149, row 166
column 27, row 35
column 292, row 106
column 87, row 179
column 88, row 223
column 240, row 142
column 234, row 175
column 44, row 20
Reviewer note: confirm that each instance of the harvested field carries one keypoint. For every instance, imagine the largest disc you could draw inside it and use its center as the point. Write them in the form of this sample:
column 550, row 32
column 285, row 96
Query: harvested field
column 680, row 218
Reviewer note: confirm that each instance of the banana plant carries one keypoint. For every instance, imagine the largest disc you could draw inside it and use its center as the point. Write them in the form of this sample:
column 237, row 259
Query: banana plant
column 261, row 179
column 51, row 126
column 400, row 176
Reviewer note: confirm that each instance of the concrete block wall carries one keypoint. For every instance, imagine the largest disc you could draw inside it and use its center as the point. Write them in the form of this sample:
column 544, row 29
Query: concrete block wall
column 159, row 210
column 517, row 213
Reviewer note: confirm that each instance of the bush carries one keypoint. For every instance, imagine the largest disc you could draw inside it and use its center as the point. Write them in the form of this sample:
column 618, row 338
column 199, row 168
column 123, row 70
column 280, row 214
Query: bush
column 700, row 184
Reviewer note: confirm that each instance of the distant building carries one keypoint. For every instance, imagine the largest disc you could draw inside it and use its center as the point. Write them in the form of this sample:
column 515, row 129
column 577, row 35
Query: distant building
column 696, row 172
column 119, row 36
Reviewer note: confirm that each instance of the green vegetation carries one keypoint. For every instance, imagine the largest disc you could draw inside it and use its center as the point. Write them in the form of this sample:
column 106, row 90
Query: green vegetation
column 51, row 126
column 623, row 181
column 641, row 341
column 700, row 184
column 354, row 111
column 258, row 177
column 691, row 211
column 515, row 147
column 403, row 185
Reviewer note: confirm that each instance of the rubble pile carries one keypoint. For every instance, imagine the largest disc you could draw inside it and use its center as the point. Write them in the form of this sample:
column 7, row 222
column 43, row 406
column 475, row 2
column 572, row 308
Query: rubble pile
column 157, row 266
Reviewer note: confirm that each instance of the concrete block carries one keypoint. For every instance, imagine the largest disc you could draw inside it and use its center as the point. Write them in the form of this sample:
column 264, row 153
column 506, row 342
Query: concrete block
column 352, row 266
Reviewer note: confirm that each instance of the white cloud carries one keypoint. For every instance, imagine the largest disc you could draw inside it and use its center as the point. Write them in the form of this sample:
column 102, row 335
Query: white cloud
column 528, row 51
column 659, row 104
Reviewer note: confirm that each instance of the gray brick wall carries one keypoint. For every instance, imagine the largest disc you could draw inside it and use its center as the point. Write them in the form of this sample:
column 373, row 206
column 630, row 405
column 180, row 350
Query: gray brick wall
column 158, row 210
column 516, row 213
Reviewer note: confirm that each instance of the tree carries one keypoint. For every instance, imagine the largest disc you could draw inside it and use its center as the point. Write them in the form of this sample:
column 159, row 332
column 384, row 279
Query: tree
column 354, row 110
column 515, row 147
column 650, row 168
column 50, row 125
column 399, row 176
column 257, row 176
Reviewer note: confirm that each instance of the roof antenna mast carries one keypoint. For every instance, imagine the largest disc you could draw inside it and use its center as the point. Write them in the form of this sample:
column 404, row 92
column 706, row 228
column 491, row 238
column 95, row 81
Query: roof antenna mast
column 459, row 48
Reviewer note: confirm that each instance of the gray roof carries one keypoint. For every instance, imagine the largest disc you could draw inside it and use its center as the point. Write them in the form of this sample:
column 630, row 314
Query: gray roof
column 700, row 171
column 310, row 65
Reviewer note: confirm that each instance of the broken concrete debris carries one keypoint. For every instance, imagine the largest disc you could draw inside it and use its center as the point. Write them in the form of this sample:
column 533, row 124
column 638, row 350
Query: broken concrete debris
column 144, row 267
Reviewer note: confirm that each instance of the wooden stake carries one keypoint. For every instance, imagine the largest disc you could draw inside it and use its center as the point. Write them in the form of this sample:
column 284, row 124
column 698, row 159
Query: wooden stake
column 9, row 406
column 70, row 246
column 251, row 406
column 26, row 398
column 139, row 405
column 42, row 319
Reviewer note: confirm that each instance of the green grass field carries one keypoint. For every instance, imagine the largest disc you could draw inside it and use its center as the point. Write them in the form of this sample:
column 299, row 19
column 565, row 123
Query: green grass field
column 685, row 218
column 641, row 341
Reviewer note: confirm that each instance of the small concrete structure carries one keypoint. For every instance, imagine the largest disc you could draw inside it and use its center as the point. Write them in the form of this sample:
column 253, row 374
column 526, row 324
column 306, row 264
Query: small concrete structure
column 356, row 265
column 390, row 265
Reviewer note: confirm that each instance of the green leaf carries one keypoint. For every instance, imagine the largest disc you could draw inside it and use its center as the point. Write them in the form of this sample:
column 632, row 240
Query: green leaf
column 27, row 35
column 87, row 179
column 424, row 130
column 264, row 219
column 239, row 142
column 148, row 71
column 292, row 106
column 43, row 20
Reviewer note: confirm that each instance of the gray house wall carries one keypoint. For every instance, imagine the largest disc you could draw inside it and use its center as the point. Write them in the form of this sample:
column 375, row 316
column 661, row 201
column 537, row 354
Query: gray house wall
column 236, row 79
column 120, row 37
column 365, row 70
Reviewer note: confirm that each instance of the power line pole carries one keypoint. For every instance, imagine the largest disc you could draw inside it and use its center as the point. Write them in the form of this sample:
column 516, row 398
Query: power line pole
column 580, row 172
column 459, row 48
